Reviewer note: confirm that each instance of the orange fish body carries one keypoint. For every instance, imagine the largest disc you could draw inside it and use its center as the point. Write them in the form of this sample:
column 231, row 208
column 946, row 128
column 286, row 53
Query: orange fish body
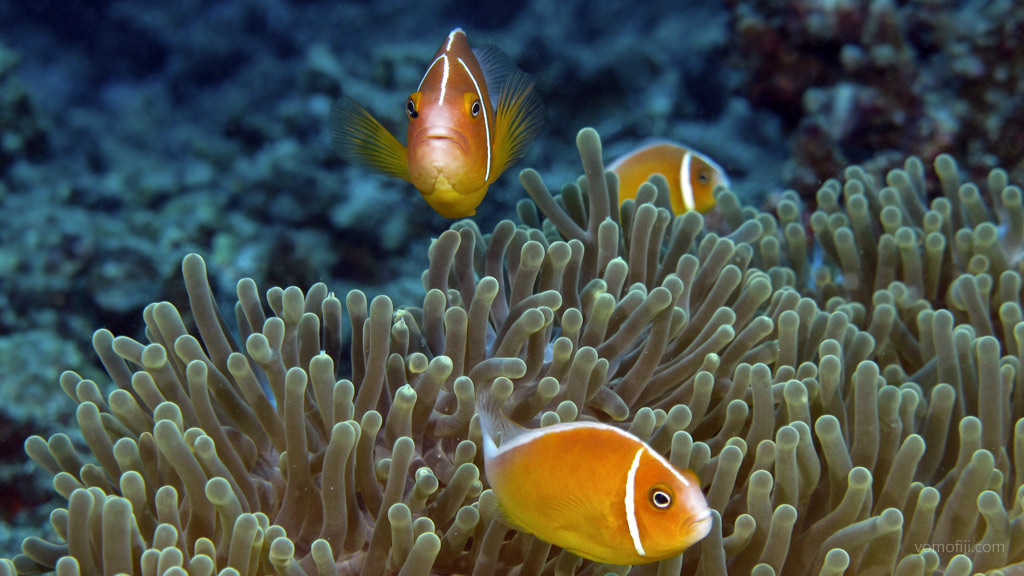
column 473, row 115
column 594, row 490
column 692, row 176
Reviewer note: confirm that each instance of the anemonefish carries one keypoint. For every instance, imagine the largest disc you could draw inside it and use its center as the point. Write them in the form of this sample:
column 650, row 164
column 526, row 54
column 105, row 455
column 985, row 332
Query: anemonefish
column 592, row 489
column 692, row 176
column 473, row 115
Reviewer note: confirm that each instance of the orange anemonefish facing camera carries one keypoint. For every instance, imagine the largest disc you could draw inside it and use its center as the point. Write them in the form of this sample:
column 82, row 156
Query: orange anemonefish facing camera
column 692, row 176
column 592, row 489
column 473, row 116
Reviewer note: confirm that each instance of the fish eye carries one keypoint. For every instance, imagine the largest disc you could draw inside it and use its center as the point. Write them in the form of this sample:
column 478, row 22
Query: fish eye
column 661, row 499
column 410, row 108
column 703, row 177
column 475, row 108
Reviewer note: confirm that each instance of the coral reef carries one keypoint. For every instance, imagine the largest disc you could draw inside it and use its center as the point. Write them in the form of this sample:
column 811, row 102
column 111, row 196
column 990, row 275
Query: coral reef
column 850, row 398
column 23, row 134
column 870, row 82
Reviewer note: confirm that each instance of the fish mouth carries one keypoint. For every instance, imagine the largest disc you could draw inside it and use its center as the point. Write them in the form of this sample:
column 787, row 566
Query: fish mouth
column 442, row 133
column 702, row 521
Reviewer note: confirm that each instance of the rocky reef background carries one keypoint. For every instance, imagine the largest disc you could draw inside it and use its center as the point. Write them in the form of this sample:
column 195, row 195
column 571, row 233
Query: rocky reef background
column 133, row 133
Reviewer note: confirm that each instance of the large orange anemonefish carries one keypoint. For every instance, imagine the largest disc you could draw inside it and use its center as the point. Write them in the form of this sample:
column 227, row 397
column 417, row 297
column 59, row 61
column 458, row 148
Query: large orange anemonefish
column 692, row 176
column 592, row 489
column 473, row 116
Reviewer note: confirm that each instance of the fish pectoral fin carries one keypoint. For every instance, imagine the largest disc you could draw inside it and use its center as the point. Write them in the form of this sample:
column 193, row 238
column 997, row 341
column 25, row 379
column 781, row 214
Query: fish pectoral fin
column 359, row 138
column 505, row 518
column 518, row 117
column 580, row 518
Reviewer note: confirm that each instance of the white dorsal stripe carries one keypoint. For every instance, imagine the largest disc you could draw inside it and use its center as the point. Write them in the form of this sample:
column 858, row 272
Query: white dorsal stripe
column 487, row 125
column 451, row 38
column 634, row 530
column 684, row 181
column 444, row 84
column 429, row 68
column 531, row 434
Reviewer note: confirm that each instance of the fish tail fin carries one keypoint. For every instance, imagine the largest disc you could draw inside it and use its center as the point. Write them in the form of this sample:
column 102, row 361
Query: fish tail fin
column 359, row 138
column 488, row 432
column 518, row 117
column 490, row 398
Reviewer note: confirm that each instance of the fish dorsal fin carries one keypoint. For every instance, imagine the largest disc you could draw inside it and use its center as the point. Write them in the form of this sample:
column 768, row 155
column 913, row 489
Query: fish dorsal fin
column 359, row 138
column 518, row 117
column 497, row 67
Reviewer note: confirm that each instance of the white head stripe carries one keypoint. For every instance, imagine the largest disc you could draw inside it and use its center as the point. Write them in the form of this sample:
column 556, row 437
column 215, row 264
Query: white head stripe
column 684, row 181
column 429, row 68
column 487, row 126
column 634, row 530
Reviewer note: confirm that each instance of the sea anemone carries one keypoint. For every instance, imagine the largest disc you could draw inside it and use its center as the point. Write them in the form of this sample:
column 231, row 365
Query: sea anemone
column 846, row 389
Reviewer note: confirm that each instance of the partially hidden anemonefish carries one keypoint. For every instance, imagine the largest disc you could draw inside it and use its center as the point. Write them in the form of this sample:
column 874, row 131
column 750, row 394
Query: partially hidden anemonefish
column 473, row 115
column 692, row 176
column 592, row 489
